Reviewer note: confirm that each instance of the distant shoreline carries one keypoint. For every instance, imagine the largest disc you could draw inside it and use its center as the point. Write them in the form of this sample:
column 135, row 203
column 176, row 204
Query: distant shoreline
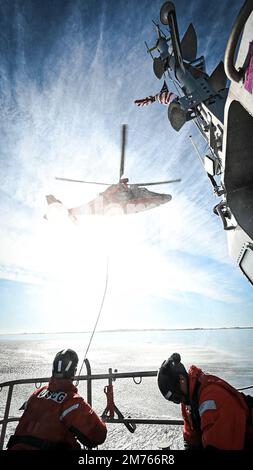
column 126, row 330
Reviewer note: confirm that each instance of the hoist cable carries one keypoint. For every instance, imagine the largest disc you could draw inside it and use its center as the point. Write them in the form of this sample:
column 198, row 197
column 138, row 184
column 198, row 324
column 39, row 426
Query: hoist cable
column 99, row 313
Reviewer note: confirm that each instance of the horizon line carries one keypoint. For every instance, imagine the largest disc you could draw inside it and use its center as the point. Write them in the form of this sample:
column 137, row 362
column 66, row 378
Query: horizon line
column 131, row 329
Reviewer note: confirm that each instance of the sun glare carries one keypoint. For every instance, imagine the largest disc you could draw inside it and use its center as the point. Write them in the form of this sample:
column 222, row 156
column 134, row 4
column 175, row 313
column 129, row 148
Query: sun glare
column 76, row 260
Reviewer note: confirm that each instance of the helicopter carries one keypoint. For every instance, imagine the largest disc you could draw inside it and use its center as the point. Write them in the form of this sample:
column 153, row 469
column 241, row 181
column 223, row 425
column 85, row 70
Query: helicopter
column 119, row 198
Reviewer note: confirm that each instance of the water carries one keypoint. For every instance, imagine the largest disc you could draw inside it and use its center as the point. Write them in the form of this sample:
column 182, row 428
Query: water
column 223, row 352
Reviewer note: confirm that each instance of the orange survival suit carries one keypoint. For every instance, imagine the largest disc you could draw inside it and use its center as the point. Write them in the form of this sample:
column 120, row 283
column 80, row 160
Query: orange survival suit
column 218, row 416
column 55, row 417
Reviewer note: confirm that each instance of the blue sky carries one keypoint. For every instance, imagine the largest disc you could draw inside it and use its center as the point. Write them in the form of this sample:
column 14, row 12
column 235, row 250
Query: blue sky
column 70, row 72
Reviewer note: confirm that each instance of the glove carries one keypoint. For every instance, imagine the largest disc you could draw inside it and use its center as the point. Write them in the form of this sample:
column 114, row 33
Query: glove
column 190, row 447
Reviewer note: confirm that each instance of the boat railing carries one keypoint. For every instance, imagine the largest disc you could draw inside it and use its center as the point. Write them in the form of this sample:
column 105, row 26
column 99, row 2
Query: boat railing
column 89, row 378
column 111, row 376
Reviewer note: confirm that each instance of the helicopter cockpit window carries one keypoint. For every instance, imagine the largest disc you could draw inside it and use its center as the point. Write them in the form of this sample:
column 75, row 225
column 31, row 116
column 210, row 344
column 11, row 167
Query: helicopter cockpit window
column 246, row 263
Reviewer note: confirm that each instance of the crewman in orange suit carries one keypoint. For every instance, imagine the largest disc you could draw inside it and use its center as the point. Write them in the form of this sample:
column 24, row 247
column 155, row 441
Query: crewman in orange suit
column 216, row 416
column 56, row 416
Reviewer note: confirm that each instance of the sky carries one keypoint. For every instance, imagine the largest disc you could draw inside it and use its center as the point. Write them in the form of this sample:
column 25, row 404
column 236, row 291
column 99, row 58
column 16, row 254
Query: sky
column 70, row 72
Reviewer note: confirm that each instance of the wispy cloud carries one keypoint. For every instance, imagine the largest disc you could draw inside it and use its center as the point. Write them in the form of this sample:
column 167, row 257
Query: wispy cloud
column 63, row 118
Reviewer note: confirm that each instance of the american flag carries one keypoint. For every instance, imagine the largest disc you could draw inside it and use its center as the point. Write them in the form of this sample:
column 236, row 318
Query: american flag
column 165, row 96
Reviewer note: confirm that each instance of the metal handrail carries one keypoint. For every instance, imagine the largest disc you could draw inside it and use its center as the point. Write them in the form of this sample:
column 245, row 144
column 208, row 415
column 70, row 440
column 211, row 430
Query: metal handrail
column 231, row 72
column 89, row 378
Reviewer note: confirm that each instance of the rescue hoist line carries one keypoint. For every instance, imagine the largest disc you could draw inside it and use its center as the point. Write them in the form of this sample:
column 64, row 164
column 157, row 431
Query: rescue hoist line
column 111, row 408
column 98, row 316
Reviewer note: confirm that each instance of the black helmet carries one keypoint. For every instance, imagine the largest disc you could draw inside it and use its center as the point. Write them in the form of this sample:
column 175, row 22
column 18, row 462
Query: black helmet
column 168, row 378
column 65, row 364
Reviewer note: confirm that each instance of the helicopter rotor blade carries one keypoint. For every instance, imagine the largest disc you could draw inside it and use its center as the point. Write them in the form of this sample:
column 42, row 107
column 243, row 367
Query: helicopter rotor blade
column 123, row 146
column 157, row 182
column 82, row 181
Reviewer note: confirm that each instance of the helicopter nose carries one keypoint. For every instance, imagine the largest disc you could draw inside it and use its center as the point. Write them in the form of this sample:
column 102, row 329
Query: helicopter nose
column 167, row 197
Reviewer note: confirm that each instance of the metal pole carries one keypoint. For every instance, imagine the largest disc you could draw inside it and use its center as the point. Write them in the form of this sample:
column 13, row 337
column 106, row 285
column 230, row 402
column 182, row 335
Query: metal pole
column 89, row 382
column 172, row 422
column 6, row 415
column 196, row 148
column 232, row 73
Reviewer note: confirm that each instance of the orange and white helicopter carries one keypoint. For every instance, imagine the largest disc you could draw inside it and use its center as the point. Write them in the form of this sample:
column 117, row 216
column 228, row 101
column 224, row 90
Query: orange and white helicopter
column 119, row 198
